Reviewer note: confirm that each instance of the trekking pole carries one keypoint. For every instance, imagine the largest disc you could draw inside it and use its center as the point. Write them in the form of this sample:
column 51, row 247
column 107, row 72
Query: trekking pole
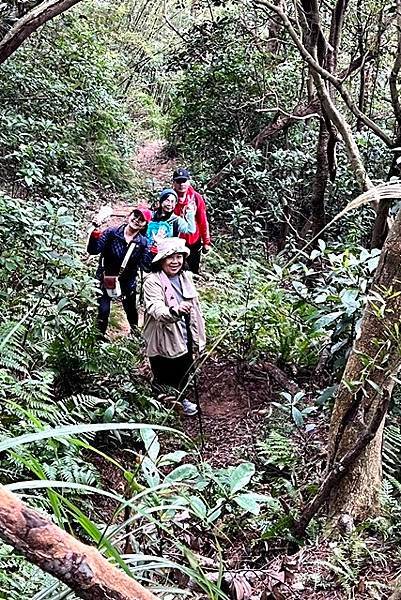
column 197, row 402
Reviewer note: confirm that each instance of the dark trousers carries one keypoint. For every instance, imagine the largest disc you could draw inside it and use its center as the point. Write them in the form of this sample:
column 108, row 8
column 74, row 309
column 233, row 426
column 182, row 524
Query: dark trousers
column 129, row 306
column 193, row 260
column 173, row 372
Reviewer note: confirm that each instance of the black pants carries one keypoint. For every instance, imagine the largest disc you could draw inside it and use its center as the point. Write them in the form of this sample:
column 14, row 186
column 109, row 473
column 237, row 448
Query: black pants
column 173, row 372
column 193, row 259
column 129, row 306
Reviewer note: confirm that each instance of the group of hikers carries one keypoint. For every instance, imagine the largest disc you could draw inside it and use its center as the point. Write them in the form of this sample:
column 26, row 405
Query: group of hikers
column 166, row 244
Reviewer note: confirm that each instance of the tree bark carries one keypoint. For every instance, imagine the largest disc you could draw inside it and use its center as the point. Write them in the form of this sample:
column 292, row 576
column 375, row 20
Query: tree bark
column 29, row 23
column 80, row 567
column 320, row 182
column 367, row 383
column 380, row 229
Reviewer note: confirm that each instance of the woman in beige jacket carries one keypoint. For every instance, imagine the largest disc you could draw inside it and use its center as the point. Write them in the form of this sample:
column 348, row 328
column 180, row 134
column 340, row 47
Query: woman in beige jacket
column 174, row 328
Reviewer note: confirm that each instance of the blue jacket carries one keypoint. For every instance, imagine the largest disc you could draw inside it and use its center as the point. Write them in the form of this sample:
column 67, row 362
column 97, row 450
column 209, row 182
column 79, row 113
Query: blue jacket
column 112, row 247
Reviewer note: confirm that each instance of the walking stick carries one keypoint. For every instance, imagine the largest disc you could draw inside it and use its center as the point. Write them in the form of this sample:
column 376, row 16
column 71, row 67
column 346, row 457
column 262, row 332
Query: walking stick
column 197, row 402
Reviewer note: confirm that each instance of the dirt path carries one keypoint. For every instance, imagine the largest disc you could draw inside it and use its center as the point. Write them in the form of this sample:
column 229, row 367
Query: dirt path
column 232, row 412
column 151, row 162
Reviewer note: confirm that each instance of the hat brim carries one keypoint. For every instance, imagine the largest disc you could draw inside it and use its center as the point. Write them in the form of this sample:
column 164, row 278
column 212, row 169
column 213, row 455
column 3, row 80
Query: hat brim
column 146, row 215
column 166, row 253
column 180, row 179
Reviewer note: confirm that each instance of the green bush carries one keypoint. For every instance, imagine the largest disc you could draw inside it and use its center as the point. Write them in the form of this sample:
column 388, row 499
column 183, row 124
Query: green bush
column 62, row 125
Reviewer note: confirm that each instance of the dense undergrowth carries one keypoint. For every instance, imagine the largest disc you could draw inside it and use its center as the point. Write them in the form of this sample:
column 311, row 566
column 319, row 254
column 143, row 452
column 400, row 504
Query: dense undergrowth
column 175, row 521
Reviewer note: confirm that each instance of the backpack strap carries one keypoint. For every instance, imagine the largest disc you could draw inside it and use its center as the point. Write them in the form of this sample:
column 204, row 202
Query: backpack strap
column 127, row 256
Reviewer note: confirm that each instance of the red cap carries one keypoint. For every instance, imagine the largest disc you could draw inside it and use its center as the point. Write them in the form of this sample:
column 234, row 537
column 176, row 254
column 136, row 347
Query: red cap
column 147, row 213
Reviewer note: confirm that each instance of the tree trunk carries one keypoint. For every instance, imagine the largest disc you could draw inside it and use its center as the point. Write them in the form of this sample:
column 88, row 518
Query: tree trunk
column 80, row 567
column 320, row 183
column 29, row 23
column 367, row 383
column 381, row 228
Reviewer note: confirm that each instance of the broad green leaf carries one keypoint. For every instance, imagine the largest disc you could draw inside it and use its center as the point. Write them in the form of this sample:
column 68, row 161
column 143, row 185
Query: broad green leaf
column 297, row 416
column 151, row 442
column 150, row 472
column 109, row 413
column 183, row 472
column 327, row 319
column 326, row 394
column 172, row 457
column 248, row 503
column 198, row 506
column 215, row 511
column 241, row 476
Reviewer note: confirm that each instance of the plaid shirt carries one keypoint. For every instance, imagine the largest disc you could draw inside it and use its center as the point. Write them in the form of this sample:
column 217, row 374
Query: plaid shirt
column 112, row 247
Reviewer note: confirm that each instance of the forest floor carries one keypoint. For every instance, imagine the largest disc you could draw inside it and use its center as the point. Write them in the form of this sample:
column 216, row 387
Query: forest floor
column 235, row 403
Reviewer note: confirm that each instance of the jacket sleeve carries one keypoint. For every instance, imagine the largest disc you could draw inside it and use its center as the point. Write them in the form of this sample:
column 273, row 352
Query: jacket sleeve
column 97, row 241
column 187, row 225
column 154, row 302
column 201, row 219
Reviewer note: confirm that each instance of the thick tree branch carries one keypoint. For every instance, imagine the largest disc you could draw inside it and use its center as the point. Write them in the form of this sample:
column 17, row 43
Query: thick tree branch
column 301, row 111
column 80, row 567
column 323, row 73
column 29, row 23
column 283, row 122
column 337, row 22
column 340, row 469
column 345, row 132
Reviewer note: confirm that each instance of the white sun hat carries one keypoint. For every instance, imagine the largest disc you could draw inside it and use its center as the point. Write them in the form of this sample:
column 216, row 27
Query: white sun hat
column 170, row 246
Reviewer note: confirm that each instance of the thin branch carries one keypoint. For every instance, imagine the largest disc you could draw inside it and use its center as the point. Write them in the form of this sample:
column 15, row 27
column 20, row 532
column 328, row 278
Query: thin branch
column 340, row 469
column 323, row 73
column 287, row 114
column 268, row 132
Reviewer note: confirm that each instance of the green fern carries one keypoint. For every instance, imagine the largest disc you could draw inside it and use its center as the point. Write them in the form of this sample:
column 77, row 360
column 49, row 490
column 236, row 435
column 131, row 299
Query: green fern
column 278, row 450
column 13, row 354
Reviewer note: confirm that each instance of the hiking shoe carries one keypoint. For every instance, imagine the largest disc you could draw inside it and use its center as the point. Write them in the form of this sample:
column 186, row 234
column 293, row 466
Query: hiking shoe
column 189, row 408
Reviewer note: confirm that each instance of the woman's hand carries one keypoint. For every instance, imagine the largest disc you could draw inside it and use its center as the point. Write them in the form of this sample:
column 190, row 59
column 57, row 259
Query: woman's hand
column 159, row 236
column 103, row 214
column 184, row 308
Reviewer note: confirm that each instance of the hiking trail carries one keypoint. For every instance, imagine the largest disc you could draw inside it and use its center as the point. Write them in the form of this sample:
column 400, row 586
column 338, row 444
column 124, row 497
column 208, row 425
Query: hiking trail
column 233, row 408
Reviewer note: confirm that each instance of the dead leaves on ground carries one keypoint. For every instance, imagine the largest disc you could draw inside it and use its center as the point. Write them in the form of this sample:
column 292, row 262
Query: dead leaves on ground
column 276, row 582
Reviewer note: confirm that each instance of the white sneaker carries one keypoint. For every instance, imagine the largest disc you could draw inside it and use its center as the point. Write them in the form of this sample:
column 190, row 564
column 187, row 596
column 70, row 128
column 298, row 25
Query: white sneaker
column 189, row 408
